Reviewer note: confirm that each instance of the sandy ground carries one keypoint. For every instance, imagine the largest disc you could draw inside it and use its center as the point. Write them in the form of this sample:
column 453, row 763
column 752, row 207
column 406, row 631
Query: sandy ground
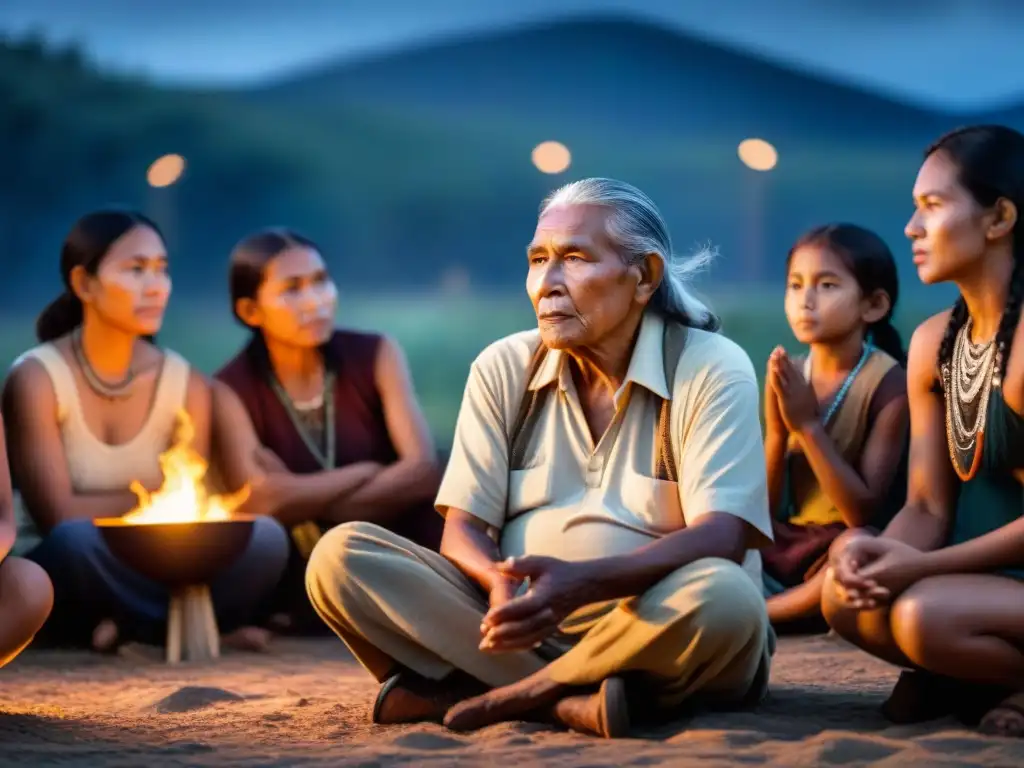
column 306, row 702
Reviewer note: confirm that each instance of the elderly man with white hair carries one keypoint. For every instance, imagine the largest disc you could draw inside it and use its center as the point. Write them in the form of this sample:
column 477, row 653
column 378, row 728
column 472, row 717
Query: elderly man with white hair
column 604, row 500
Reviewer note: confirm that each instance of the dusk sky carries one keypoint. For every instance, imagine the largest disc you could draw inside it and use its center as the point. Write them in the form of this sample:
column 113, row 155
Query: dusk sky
column 953, row 54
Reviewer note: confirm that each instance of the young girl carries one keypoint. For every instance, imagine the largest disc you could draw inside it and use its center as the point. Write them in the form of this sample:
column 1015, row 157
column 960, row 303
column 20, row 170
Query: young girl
column 323, row 422
column 90, row 410
column 940, row 592
column 26, row 594
column 836, row 421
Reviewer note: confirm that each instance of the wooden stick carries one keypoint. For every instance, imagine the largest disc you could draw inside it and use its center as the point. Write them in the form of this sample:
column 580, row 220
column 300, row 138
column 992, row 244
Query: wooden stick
column 212, row 633
column 192, row 633
column 174, row 622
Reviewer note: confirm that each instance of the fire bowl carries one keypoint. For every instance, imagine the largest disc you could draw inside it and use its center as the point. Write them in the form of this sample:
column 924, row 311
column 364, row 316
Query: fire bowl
column 177, row 554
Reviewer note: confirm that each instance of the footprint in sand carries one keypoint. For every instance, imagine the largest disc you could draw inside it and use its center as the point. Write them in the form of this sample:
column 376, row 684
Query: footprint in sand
column 844, row 750
column 276, row 717
column 427, row 741
column 193, row 697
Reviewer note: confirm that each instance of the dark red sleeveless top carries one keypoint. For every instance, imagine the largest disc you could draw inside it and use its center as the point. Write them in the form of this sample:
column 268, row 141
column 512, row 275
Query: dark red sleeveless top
column 361, row 432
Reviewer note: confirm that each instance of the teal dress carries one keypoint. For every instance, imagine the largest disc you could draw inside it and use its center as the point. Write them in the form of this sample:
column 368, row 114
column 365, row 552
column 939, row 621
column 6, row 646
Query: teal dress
column 993, row 497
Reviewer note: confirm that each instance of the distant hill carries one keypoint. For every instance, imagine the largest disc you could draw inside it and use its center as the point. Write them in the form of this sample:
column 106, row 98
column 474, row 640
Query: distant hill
column 72, row 139
column 663, row 110
column 412, row 170
column 609, row 72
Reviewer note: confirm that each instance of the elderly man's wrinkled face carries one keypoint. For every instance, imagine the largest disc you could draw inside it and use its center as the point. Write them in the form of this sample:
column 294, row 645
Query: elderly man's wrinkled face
column 581, row 289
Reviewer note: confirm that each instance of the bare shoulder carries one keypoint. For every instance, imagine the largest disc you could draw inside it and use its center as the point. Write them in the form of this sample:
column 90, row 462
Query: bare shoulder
column 388, row 345
column 229, row 415
column 1013, row 377
column 390, row 358
column 923, row 354
column 929, row 333
column 222, row 393
column 893, row 386
column 28, row 385
column 199, row 385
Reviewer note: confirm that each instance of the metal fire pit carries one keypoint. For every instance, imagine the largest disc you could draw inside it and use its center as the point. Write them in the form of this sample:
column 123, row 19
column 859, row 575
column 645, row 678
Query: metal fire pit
column 184, row 557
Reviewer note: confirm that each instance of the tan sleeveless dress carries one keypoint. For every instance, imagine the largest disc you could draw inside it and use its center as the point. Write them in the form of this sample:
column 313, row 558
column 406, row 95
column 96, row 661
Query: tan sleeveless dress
column 807, row 521
column 809, row 505
column 96, row 466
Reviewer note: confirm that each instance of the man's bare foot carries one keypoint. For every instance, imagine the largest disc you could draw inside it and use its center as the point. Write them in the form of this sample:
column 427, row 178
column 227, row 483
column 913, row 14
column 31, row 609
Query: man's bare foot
column 255, row 639
column 1006, row 718
column 407, row 697
column 105, row 636
column 604, row 714
column 528, row 698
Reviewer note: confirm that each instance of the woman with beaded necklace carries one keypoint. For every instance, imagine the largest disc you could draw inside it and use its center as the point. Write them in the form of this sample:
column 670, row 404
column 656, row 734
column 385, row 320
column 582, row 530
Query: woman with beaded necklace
column 90, row 410
column 322, row 422
column 941, row 591
column 835, row 421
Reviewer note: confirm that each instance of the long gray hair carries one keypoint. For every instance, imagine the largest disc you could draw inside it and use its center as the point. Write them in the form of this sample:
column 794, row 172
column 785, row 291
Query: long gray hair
column 636, row 228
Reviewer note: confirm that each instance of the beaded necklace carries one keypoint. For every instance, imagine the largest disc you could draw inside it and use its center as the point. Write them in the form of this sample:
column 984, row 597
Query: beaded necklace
column 119, row 390
column 847, row 382
column 324, row 453
column 968, row 380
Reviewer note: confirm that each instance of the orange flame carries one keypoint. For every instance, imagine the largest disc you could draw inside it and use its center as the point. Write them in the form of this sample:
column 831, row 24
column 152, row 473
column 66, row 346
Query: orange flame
column 183, row 496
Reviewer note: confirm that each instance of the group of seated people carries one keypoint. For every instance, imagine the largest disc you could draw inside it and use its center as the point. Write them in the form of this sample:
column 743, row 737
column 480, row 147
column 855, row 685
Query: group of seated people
column 617, row 536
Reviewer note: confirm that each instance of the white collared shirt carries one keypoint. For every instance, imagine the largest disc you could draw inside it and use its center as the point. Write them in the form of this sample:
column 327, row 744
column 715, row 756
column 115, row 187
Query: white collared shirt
column 576, row 500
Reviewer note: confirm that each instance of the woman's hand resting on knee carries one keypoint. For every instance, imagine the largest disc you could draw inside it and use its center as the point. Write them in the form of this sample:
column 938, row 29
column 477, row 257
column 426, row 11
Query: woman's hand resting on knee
column 871, row 571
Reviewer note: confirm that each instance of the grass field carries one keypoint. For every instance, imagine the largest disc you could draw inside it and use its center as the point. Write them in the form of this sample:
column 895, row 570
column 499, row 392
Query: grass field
column 442, row 334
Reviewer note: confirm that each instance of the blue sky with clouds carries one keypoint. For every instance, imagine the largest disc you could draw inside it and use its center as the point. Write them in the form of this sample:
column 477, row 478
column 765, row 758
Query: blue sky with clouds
column 953, row 54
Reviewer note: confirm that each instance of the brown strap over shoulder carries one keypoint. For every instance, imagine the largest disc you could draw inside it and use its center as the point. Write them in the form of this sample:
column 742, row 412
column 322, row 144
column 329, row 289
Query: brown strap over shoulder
column 672, row 346
column 522, row 427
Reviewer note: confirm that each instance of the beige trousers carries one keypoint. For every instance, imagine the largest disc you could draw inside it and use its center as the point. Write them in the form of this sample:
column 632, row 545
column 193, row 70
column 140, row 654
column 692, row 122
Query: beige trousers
column 701, row 630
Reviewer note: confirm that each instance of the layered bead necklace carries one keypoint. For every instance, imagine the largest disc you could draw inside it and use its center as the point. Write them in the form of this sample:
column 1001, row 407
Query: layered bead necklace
column 967, row 383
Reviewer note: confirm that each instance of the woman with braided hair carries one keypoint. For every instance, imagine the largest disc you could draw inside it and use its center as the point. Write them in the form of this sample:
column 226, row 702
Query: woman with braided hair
column 941, row 591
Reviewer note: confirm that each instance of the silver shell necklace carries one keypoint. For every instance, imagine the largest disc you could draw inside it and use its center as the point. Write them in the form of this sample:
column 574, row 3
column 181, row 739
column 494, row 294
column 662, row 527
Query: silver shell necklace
column 968, row 381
